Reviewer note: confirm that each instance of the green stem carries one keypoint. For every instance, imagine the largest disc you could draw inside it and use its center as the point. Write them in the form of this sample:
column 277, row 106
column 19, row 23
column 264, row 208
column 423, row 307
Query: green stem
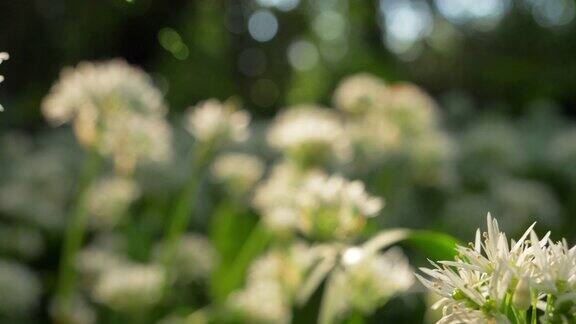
column 75, row 229
column 256, row 242
column 534, row 315
column 180, row 217
column 549, row 308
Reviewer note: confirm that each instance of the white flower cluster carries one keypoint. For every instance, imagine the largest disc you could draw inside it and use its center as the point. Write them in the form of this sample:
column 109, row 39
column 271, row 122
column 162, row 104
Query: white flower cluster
column 272, row 284
column 130, row 287
column 333, row 207
column 321, row 207
column 494, row 281
column 386, row 120
column 238, row 172
column 194, row 259
column 3, row 57
column 217, row 122
column 115, row 107
column 274, row 197
column 109, row 199
column 310, row 135
column 370, row 279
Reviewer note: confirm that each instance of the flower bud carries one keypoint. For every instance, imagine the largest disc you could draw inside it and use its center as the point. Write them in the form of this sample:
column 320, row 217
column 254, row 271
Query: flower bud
column 521, row 298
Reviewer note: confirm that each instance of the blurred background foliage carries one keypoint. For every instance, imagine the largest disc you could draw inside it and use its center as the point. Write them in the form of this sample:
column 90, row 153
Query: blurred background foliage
column 503, row 72
column 277, row 52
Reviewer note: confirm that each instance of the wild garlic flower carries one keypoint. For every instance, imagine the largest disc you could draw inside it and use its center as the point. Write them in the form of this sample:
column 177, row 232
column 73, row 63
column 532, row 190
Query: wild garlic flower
column 113, row 106
column 333, row 207
column 94, row 260
column 217, row 122
column 130, row 287
column 370, row 279
column 272, row 283
column 19, row 289
column 274, row 197
column 360, row 93
column 411, row 108
column 109, row 200
column 195, row 258
column 310, row 136
column 261, row 302
column 493, row 280
column 238, row 172
column 3, row 57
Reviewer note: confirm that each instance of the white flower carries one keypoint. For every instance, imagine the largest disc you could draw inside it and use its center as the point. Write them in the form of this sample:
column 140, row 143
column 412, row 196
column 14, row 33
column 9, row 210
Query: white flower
column 114, row 106
column 130, row 287
column 310, row 136
column 262, row 302
column 239, row 172
column 333, row 207
column 484, row 276
column 272, row 283
column 370, row 279
column 195, row 257
column 109, row 199
column 274, row 197
column 360, row 93
column 212, row 121
column 3, row 57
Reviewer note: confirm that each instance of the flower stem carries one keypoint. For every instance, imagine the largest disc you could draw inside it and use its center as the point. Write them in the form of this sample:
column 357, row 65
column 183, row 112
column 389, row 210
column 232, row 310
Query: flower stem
column 549, row 308
column 180, row 217
column 534, row 316
column 76, row 227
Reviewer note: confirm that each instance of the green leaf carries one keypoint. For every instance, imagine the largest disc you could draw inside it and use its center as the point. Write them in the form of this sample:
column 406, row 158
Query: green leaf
column 435, row 245
column 232, row 277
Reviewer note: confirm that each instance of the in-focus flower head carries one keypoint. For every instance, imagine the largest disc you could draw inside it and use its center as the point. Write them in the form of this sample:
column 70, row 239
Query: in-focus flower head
column 216, row 122
column 238, row 172
column 114, row 106
column 495, row 280
column 310, row 136
column 334, row 207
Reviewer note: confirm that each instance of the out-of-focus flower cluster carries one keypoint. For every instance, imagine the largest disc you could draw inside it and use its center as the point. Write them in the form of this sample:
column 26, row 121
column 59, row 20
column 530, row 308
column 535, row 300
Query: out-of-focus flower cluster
column 114, row 108
column 494, row 280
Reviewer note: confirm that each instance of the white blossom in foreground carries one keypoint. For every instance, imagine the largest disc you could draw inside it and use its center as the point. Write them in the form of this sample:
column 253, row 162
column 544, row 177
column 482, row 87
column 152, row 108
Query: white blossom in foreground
column 310, row 136
column 334, row 207
column 217, row 122
column 3, row 57
column 238, row 172
column 109, row 200
column 114, row 107
column 496, row 281
column 130, row 287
